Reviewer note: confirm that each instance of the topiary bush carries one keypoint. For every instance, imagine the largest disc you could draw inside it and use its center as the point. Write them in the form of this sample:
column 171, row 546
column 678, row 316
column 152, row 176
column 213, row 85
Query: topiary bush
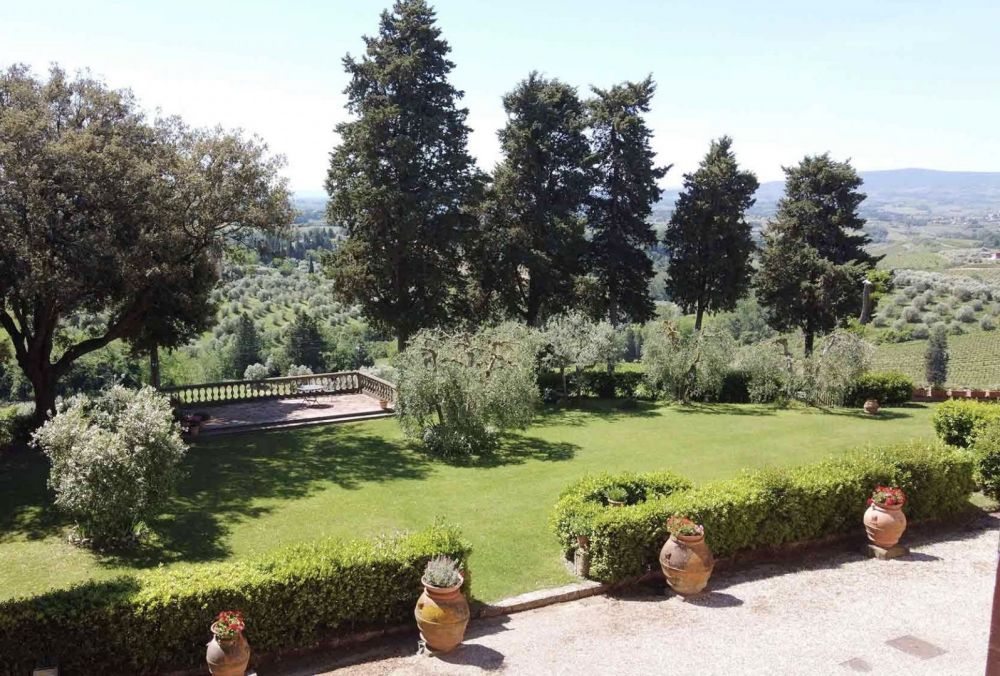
column 767, row 508
column 114, row 460
column 157, row 621
column 986, row 450
column 888, row 387
column 958, row 421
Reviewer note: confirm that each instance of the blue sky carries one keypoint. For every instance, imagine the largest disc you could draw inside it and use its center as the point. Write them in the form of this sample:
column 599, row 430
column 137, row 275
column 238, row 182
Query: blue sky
column 889, row 84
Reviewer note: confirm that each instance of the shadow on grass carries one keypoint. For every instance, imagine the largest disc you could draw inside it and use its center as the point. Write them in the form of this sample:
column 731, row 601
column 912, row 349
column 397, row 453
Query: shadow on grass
column 755, row 410
column 227, row 476
column 26, row 509
column 516, row 449
column 583, row 411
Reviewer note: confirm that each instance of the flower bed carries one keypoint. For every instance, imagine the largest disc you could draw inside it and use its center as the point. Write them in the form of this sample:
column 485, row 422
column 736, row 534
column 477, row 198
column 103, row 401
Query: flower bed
column 763, row 509
column 158, row 621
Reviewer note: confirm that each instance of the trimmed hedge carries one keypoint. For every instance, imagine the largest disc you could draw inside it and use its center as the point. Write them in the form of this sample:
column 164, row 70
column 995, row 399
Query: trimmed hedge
column 957, row 421
column 986, row 450
column 767, row 508
column 601, row 384
column 158, row 620
column 889, row 387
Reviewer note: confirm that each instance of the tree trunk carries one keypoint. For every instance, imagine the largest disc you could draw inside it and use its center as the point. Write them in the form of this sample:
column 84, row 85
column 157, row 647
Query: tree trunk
column 808, row 336
column 154, row 366
column 698, row 316
column 43, row 382
column 562, row 372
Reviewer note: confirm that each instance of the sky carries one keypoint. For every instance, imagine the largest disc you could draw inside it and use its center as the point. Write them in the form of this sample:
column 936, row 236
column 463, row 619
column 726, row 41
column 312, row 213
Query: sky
column 887, row 84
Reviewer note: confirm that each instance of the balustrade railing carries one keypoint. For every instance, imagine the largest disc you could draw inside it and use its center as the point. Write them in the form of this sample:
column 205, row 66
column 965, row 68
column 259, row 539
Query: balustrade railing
column 231, row 391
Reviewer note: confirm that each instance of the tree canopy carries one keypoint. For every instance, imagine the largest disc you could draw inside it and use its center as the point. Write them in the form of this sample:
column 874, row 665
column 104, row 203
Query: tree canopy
column 401, row 182
column 105, row 212
column 708, row 238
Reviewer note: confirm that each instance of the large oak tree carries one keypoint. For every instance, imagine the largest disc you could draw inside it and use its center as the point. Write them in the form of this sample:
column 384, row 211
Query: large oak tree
column 402, row 182
column 106, row 213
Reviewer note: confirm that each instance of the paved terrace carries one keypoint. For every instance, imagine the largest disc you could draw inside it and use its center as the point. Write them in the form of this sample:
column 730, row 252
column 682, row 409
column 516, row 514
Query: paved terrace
column 831, row 613
column 290, row 412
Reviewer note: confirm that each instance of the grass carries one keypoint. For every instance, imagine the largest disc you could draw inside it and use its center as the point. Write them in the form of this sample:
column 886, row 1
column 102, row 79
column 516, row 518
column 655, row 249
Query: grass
column 251, row 493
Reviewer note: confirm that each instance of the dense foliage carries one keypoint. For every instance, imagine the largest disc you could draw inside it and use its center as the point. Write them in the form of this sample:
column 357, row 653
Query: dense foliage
column 132, row 253
column 458, row 391
column 687, row 365
column 401, row 181
column 766, row 508
column 573, row 341
column 888, row 388
column 114, row 460
column 958, row 422
column 620, row 204
column 708, row 238
column 986, row 449
column 158, row 621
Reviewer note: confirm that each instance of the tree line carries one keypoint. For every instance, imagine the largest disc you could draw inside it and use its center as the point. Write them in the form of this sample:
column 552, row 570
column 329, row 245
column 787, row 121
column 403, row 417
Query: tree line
column 562, row 222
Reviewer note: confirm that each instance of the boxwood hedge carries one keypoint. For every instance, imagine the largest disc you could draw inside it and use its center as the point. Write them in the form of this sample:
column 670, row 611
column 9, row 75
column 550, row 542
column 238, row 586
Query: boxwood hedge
column 764, row 508
column 957, row 421
column 888, row 387
column 158, row 620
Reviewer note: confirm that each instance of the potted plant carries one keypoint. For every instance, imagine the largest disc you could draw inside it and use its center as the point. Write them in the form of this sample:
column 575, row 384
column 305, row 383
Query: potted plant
column 442, row 612
column 884, row 519
column 616, row 496
column 871, row 406
column 228, row 652
column 685, row 559
column 384, row 403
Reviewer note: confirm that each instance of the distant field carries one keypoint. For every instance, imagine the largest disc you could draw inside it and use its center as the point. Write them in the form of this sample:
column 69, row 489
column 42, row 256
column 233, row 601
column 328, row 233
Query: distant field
column 975, row 359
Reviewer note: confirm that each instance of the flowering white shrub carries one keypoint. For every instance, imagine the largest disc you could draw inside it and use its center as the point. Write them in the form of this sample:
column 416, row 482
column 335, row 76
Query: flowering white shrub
column 256, row 372
column 114, row 460
column 303, row 370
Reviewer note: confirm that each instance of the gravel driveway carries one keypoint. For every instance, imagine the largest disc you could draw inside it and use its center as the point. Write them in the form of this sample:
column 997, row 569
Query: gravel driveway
column 928, row 613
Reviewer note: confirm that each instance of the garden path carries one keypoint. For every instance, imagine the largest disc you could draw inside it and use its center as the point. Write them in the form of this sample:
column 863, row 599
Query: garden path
column 928, row 613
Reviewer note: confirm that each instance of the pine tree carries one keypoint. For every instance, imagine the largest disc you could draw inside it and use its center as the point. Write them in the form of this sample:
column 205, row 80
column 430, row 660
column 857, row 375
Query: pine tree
column 304, row 343
column 622, row 200
column 936, row 358
column 402, row 182
column 813, row 263
column 533, row 245
column 246, row 347
column 708, row 238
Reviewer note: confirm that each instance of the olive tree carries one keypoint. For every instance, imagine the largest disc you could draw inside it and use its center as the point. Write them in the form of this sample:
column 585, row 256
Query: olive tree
column 459, row 390
column 573, row 340
column 114, row 460
column 686, row 365
column 106, row 213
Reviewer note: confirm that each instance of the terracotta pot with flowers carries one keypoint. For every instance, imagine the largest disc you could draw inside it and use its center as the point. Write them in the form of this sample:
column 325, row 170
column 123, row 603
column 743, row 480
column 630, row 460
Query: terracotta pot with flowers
column 228, row 652
column 686, row 560
column 442, row 612
column 884, row 518
column 616, row 496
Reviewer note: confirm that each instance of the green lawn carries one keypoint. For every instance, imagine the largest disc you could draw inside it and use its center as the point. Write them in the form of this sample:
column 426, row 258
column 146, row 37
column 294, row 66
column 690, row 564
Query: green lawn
column 252, row 493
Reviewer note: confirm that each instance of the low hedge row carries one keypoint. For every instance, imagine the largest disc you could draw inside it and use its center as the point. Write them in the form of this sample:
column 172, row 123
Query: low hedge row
column 616, row 385
column 888, row 387
column 765, row 508
column 957, row 421
column 158, row 620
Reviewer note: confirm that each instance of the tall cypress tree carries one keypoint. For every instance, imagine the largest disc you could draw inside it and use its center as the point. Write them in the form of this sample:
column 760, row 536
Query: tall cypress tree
column 814, row 263
column 708, row 238
column 401, row 182
column 304, row 343
column 622, row 200
column 534, row 243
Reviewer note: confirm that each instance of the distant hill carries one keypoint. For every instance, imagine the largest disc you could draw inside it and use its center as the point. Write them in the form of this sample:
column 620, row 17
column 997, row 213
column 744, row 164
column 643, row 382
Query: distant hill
column 912, row 195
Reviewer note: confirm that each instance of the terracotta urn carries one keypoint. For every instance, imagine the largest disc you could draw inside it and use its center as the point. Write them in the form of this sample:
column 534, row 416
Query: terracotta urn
column 442, row 614
column 384, row 403
column 884, row 524
column 871, row 406
column 687, row 563
column 228, row 657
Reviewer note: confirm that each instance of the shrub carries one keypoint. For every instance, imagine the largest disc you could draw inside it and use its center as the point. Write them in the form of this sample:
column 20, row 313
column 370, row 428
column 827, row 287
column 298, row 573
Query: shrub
column 458, row 390
column 769, row 375
column 987, row 324
column 290, row 598
column 958, row 421
column 615, row 385
column 920, row 332
column 15, row 425
column 966, row 315
column 114, row 460
column 735, row 387
column 986, row 450
column 889, row 387
column 911, row 315
column 767, row 508
column 256, row 372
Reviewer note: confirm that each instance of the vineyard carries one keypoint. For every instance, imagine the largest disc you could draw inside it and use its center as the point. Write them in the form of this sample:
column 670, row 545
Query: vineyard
column 975, row 359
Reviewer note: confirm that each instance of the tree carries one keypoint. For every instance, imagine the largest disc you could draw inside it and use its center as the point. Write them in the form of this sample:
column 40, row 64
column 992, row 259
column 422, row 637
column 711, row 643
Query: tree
column 402, row 183
column 574, row 340
column 246, row 348
column 622, row 200
column 533, row 244
column 708, row 238
column 105, row 213
column 686, row 364
column 458, row 391
column 304, row 343
column 813, row 262
column 936, row 358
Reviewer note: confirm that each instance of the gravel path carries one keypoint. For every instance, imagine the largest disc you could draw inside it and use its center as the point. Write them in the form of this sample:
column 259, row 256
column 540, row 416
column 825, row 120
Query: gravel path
column 928, row 613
